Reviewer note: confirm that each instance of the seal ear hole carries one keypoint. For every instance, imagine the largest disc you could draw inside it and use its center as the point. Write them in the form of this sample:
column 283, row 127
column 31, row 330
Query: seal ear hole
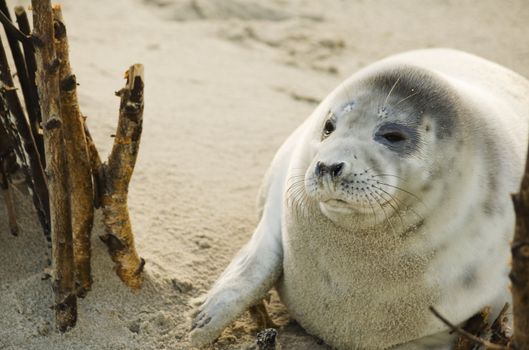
column 428, row 127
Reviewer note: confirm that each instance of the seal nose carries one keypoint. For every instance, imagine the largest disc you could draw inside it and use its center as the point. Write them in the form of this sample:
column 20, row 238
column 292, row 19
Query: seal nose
column 334, row 170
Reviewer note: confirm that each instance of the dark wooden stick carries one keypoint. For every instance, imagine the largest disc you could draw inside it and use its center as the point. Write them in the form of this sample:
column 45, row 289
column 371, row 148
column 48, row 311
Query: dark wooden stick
column 520, row 265
column 81, row 191
column 499, row 329
column 13, row 31
column 267, row 340
column 4, row 183
column 459, row 330
column 476, row 325
column 8, row 199
column 32, row 101
column 57, row 170
column 18, row 58
column 5, row 144
column 27, row 152
column 117, row 173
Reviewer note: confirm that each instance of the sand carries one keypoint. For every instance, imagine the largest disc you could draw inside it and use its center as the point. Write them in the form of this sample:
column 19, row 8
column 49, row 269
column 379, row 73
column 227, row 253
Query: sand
column 226, row 82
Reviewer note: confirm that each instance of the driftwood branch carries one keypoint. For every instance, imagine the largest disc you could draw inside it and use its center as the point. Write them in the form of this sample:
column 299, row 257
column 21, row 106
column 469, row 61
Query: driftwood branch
column 8, row 199
column 459, row 330
column 20, row 65
column 32, row 98
column 16, row 125
column 57, row 170
column 500, row 329
column 267, row 340
column 117, row 173
column 476, row 325
column 520, row 265
column 96, row 167
column 54, row 136
column 5, row 157
column 81, row 190
column 10, row 27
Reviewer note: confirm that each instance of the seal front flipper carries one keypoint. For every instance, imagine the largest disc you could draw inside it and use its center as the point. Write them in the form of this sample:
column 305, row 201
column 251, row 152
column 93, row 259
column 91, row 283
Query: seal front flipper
column 247, row 279
column 256, row 267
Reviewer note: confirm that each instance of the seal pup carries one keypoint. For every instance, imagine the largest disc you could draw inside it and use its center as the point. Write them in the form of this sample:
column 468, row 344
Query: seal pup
column 393, row 196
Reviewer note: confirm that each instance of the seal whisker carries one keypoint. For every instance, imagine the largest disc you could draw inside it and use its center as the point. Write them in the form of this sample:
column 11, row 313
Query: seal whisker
column 396, row 209
column 294, row 197
column 296, row 176
column 380, row 175
column 391, row 90
column 296, row 194
column 372, row 208
column 293, row 180
column 295, row 184
column 375, row 176
column 405, row 98
column 403, row 190
column 298, row 198
column 296, row 202
column 401, row 203
column 385, row 214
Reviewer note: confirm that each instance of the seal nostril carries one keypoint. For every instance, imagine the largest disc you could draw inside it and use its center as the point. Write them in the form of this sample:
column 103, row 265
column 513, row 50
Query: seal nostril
column 336, row 169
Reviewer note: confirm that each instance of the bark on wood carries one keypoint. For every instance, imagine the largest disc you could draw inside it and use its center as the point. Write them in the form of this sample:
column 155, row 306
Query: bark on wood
column 81, row 191
column 57, row 170
column 476, row 325
column 14, row 31
column 15, row 123
column 500, row 328
column 32, row 101
column 267, row 340
column 5, row 157
column 117, row 173
column 5, row 144
column 96, row 167
column 21, row 70
column 477, row 340
column 520, row 266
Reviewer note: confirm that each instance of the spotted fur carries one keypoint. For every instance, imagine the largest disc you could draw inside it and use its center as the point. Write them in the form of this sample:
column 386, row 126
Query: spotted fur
column 411, row 208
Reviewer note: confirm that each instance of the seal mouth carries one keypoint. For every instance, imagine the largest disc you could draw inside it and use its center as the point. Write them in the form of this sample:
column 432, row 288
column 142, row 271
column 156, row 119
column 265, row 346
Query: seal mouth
column 343, row 206
column 336, row 201
column 339, row 204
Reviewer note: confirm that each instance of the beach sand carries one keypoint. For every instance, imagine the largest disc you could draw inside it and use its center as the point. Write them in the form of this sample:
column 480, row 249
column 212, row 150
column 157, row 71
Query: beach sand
column 226, row 82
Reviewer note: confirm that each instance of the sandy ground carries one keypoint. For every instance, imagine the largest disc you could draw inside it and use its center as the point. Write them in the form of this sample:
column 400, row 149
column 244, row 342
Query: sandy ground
column 226, row 82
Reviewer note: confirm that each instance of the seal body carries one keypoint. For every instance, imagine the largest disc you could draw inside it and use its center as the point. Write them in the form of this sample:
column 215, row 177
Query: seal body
column 393, row 196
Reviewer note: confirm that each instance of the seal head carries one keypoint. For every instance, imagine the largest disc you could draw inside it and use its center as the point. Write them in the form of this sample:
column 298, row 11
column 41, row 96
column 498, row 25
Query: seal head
column 371, row 155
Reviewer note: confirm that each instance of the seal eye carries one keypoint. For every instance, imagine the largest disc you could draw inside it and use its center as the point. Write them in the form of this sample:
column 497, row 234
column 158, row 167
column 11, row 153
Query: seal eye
column 328, row 128
column 397, row 137
column 394, row 137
